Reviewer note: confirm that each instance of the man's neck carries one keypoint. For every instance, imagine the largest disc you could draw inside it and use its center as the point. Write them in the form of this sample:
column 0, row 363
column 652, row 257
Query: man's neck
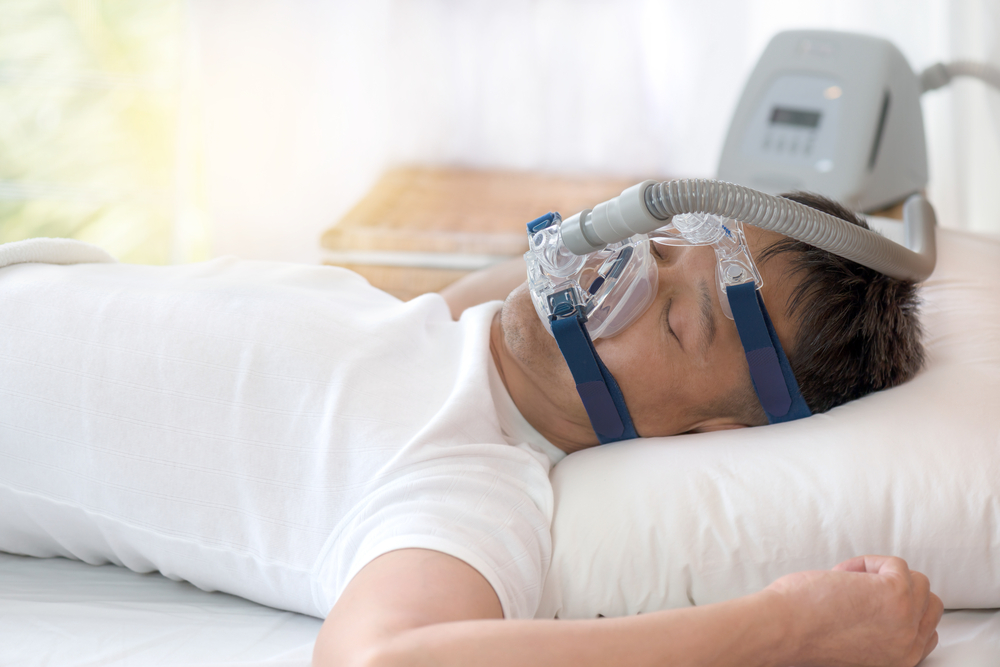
column 534, row 404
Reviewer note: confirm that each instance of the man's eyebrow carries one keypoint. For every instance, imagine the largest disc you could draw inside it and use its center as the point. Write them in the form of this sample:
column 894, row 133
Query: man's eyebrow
column 707, row 313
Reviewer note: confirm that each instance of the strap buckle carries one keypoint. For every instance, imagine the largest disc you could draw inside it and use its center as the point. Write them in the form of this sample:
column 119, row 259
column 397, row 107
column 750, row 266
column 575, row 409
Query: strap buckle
column 566, row 303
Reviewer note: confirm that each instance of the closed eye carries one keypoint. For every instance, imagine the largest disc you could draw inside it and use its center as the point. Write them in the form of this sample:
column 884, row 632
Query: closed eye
column 666, row 318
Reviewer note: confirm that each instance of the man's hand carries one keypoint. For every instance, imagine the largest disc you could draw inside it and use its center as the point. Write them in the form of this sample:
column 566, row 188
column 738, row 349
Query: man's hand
column 870, row 610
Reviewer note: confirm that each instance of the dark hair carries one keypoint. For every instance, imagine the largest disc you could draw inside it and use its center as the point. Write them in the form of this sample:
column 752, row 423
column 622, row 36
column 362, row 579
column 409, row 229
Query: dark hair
column 857, row 329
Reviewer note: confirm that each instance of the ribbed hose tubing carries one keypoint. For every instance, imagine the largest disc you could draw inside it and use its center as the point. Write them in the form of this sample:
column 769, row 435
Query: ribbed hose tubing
column 670, row 198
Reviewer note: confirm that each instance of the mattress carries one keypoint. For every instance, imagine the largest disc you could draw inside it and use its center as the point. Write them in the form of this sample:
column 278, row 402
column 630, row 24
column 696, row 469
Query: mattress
column 62, row 613
column 56, row 612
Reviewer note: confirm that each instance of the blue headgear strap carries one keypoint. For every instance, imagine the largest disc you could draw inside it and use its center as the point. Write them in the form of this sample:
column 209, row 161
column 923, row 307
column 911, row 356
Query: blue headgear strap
column 601, row 396
column 772, row 376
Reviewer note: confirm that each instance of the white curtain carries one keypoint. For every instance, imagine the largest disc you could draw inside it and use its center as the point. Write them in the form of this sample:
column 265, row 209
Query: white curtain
column 305, row 102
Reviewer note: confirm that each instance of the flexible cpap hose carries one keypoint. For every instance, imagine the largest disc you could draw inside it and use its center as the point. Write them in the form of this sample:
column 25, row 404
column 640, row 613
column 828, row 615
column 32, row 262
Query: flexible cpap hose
column 646, row 206
column 941, row 74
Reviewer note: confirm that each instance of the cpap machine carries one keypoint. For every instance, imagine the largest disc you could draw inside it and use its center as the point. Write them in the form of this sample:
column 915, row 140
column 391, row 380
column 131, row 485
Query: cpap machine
column 829, row 112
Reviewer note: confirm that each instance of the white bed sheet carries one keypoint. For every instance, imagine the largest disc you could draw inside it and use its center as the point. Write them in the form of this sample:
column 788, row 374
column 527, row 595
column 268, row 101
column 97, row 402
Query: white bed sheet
column 56, row 612
column 61, row 613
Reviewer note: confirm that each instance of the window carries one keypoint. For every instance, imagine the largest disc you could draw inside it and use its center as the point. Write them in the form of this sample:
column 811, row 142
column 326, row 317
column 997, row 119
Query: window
column 95, row 142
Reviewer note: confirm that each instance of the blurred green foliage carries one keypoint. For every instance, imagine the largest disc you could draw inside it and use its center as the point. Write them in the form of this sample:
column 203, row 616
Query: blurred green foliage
column 90, row 104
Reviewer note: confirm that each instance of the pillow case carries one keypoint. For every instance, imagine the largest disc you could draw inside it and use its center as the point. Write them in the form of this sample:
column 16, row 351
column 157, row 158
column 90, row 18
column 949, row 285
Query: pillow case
column 913, row 471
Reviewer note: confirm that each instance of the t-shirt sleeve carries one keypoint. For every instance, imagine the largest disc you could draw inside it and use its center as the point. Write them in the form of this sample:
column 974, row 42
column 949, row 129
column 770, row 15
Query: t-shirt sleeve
column 493, row 513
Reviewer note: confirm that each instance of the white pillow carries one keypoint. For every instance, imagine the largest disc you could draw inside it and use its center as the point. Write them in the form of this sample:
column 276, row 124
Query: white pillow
column 913, row 471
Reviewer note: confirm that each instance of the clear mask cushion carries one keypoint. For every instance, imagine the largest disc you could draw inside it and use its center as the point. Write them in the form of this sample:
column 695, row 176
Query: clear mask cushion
column 614, row 286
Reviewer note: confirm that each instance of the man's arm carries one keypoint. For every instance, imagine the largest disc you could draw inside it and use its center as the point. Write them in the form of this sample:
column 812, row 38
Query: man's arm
column 489, row 284
column 417, row 607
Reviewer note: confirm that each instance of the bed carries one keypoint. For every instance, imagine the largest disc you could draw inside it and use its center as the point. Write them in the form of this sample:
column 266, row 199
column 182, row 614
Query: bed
column 912, row 471
column 63, row 613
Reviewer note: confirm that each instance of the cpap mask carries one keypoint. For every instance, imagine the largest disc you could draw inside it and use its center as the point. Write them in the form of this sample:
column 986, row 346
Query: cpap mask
column 615, row 285
column 592, row 275
column 611, row 287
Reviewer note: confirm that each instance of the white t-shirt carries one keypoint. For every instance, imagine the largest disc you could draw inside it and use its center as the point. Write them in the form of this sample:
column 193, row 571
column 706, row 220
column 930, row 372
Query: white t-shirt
column 262, row 429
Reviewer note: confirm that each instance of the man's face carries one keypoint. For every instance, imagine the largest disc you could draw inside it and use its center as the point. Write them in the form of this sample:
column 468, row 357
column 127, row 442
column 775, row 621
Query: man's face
column 676, row 365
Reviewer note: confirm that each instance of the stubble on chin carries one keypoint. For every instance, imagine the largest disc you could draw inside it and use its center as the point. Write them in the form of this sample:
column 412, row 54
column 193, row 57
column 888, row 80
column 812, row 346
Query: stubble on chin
column 539, row 380
column 521, row 327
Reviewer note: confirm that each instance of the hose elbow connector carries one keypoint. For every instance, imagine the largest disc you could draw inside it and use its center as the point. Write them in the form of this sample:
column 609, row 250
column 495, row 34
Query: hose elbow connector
column 610, row 221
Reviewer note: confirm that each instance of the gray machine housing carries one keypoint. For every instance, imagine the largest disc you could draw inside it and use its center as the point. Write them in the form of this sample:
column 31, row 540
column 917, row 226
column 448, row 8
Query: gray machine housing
column 829, row 112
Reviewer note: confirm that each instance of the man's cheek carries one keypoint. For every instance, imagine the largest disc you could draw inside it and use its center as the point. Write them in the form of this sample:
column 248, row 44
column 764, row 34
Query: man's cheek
column 629, row 352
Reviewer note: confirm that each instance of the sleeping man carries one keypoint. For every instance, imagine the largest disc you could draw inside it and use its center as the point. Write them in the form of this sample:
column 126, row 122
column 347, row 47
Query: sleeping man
column 294, row 436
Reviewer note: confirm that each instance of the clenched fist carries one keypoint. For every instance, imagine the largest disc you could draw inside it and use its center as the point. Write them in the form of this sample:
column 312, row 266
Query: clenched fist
column 870, row 610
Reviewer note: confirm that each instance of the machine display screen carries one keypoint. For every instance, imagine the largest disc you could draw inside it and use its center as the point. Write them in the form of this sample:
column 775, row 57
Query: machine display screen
column 797, row 117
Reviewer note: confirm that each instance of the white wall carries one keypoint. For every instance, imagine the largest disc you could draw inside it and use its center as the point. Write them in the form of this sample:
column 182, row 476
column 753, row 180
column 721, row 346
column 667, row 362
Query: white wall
column 305, row 102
